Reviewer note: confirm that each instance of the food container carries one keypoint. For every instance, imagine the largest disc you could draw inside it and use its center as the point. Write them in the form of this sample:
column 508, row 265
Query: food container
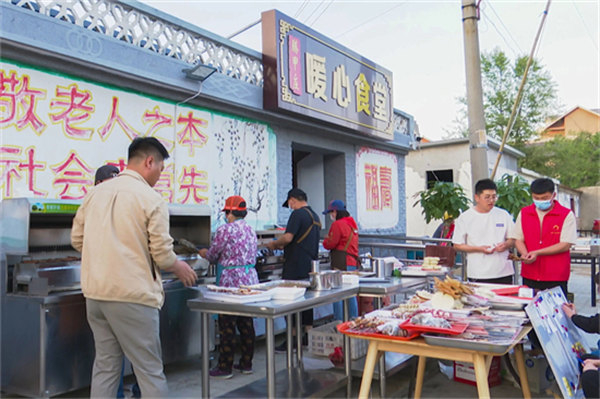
column 315, row 266
column 326, row 280
column 383, row 267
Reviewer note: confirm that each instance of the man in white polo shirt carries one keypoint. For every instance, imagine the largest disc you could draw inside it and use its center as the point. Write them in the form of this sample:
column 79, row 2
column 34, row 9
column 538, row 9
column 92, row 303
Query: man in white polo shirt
column 482, row 232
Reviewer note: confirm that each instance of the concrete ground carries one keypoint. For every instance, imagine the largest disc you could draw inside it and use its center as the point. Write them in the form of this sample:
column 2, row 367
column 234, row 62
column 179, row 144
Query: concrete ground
column 184, row 378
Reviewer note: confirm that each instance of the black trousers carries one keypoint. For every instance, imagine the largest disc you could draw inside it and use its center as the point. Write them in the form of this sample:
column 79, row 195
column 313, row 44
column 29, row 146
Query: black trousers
column 245, row 326
column 498, row 280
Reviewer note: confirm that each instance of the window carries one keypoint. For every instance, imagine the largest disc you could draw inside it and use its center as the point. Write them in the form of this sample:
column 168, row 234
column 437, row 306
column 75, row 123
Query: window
column 439, row 175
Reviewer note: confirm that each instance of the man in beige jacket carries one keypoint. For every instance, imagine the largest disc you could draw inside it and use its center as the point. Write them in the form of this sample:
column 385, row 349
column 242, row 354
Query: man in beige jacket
column 122, row 231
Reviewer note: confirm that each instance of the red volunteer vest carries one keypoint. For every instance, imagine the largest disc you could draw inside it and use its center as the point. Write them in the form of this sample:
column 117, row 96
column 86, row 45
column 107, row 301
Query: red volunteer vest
column 555, row 267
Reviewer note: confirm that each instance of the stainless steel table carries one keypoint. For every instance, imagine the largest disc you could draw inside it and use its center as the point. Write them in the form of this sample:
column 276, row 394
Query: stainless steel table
column 269, row 310
column 378, row 291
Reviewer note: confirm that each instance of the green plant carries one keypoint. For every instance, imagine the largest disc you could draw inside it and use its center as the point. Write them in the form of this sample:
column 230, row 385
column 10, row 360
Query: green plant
column 513, row 194
column 443, row 201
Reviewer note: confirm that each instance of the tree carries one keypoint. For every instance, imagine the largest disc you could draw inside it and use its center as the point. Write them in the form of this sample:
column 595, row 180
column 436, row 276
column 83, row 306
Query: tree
column 572, row 161
column 501, row 78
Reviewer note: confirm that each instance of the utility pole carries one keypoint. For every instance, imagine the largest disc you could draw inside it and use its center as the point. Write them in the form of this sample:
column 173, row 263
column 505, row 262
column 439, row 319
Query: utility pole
column 477, row 137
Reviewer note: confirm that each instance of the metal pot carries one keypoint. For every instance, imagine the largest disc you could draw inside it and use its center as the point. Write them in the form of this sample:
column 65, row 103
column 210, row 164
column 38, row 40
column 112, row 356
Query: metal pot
column 325, row 280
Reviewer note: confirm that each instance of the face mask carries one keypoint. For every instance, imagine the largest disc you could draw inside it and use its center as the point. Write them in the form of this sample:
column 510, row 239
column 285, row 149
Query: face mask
column 332, row 217
column 543, row 205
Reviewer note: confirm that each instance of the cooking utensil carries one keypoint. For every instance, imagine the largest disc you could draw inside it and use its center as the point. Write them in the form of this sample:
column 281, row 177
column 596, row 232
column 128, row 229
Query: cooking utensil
column 184, row 246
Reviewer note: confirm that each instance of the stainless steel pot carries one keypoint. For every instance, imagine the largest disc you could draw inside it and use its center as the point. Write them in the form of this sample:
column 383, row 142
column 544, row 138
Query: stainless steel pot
column 325, row 280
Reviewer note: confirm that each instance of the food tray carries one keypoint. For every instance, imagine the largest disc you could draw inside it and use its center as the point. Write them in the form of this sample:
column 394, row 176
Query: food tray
column 278, row 283
column 344, row 327
column 506, row 304
column 287, row 293
column 413, row 271
column 233, row 298
column 457, row 328
column 460, row 343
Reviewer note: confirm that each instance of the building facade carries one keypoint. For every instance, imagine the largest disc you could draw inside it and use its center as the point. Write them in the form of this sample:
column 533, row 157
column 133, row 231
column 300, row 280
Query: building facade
column 80, row 81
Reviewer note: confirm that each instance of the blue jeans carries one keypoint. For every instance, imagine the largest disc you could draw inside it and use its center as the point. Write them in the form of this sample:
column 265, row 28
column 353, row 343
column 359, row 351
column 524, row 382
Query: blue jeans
column 338, row 307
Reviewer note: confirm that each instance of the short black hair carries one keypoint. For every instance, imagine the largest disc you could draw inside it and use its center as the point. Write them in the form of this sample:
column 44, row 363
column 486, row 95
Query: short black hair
column 542, row 186
column 485, row 184
column 341, row 214
column 239, row 214
column 145, row 146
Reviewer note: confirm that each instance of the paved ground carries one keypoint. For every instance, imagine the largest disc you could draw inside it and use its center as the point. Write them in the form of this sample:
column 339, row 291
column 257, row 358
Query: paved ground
column 184, row 377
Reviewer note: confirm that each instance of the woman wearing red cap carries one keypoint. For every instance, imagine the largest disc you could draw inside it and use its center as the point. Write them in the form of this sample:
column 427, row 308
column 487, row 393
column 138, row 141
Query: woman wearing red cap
column 234, row 251
column 343, row 238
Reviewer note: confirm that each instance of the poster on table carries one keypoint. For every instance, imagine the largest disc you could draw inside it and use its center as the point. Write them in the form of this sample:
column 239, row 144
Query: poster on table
column 376, row 189
column 561, row 340
column 56, row 131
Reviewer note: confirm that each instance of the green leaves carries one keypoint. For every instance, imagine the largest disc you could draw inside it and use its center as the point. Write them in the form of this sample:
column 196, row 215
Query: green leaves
column 513, row 194
column 501, row 78
column 442, row 197
column 573, row 161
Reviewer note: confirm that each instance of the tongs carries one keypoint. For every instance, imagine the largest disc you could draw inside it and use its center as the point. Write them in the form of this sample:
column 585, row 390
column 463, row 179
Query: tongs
column 185, row 245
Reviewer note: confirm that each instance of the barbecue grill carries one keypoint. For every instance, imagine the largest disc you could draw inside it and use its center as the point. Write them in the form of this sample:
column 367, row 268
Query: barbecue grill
column 47, row 346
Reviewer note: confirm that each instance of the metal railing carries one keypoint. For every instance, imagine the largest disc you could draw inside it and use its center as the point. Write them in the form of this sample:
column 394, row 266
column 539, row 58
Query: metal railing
column 142, row 29
column 390, row 245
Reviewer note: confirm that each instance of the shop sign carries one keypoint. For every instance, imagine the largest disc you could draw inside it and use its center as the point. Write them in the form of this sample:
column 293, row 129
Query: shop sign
column 57, row 130
column 309, row 74
column 377, row 189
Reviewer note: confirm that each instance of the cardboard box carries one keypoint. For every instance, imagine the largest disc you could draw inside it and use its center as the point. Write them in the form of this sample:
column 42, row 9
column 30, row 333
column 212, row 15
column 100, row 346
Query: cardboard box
column 465, row 372
column 539, row 373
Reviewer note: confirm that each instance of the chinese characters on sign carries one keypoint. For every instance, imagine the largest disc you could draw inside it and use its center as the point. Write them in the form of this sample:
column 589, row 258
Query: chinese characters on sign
column 377, row 189
column 55, row 131
column 309, row 74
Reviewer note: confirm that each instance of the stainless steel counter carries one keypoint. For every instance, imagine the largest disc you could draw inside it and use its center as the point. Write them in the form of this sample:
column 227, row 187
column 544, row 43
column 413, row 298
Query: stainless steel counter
column 269, row 310
column 396, row 285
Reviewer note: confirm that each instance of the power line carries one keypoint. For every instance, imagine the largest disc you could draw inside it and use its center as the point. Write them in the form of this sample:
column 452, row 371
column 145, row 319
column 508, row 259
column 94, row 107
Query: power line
column 507, row 30
column 322, row 12
column 314, row 10
column 369, row 20
column 587, row 29
column 301, row 8
column 500, row 33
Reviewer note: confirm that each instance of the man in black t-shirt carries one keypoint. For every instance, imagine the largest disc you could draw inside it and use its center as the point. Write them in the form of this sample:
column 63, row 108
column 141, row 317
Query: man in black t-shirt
column 300, row 242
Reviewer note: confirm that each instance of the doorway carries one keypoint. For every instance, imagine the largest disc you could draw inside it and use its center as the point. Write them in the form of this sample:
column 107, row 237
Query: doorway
column 321, row 173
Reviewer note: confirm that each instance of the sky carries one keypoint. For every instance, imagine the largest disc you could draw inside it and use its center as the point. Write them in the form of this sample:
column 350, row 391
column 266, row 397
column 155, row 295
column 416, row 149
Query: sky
column 421, row 42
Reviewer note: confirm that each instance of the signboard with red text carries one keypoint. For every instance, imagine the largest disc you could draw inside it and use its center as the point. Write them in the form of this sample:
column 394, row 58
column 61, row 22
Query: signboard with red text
column 377, row 189
column 309, row 74
column 57, row 130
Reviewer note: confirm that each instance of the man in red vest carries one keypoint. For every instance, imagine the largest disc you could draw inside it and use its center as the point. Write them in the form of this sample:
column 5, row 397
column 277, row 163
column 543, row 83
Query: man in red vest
column 544, row 233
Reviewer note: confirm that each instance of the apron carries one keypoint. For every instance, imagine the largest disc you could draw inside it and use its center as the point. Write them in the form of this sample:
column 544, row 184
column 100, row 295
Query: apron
column 247, row 277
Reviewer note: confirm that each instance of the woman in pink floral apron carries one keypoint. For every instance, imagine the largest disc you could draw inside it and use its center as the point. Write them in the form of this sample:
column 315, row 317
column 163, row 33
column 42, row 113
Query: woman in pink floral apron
column 234, row 251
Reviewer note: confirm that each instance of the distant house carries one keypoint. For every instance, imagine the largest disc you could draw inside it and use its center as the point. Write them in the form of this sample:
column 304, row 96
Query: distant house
column 572, row 123
column 450, row 161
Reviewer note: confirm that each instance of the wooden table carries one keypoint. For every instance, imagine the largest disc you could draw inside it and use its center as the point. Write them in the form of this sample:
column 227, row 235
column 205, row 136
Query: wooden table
column 418, row 347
